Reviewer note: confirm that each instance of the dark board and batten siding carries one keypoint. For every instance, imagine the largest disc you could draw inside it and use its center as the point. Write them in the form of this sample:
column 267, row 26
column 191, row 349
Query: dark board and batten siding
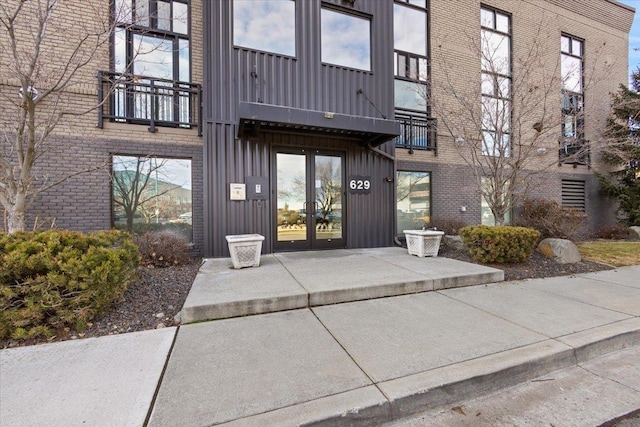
column 302, row 82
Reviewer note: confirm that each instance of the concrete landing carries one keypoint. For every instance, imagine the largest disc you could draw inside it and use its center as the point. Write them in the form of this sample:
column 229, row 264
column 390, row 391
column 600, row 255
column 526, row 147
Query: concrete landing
column 293, row 280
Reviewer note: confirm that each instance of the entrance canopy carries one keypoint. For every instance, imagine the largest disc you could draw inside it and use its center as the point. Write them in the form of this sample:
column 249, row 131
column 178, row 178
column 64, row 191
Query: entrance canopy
column 255, row 117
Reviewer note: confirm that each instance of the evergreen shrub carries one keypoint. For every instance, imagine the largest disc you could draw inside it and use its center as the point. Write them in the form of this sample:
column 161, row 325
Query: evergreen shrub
column 55, row 279
column 504, row 244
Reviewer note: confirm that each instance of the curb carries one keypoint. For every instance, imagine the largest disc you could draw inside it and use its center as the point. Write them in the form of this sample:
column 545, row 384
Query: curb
column 399, row 398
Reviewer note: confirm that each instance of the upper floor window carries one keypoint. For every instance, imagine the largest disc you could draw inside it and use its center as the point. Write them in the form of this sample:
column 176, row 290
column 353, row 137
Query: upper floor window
column 267, row 25
column 572, row 146
column 152, row 39
column 410, row 54
column 346, row 39
column 571, row 50
column 495, row 60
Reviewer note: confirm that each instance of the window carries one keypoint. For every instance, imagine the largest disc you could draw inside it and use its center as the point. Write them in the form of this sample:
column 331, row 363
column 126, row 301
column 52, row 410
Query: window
column 573, row 194
column 410, row 55
column 487, row 216
column 151, row 65
column 267, row 25
column 152, row 39
column 495, row 60
column 346, row 40
column 571, row 65
column 413, row 200
column 151, row 194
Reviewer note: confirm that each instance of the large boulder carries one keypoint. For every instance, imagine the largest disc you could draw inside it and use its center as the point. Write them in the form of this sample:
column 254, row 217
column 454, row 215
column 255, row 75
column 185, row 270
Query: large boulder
column 562, row 251
column 454, row 242
column 634, row 233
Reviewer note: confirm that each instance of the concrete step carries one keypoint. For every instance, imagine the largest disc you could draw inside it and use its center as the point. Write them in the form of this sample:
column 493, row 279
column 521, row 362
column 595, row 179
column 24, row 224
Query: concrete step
column 287, row 281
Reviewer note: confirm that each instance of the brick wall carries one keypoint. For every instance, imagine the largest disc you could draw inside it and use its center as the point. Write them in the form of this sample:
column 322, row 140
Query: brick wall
column 455, row 63
column 83, row 202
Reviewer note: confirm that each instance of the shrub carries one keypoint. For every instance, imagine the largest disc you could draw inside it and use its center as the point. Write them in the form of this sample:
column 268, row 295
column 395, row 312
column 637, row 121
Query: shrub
column 499, row 244
column 163, row 249
column 616, row 232
column 448, row 225
column 550, row 219
column 58, row 278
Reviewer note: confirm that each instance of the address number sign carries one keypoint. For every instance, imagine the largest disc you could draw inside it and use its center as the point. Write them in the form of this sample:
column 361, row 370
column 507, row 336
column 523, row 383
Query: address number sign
column 359, row 184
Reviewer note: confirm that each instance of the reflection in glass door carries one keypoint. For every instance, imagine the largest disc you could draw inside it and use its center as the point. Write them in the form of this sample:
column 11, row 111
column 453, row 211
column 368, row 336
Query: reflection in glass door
column 328, row 198
column 291, row 215
column 309, row 206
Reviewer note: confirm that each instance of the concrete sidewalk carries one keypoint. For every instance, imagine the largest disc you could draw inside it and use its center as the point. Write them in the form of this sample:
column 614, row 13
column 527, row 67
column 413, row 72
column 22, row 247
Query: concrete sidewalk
column 362, row 362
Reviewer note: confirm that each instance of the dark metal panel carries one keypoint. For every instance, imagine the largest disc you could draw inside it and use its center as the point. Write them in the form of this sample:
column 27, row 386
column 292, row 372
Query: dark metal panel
column 233, row 75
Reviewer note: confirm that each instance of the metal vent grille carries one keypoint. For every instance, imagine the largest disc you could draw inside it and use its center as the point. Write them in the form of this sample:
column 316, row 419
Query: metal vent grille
column 573, row 194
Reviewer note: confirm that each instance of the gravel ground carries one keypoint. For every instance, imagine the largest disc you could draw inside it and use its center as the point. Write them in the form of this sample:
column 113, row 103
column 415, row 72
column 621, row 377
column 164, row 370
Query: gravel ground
column 159, row 293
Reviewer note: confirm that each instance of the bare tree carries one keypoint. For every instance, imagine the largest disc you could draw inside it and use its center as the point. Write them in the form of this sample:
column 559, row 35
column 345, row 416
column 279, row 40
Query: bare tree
column 41, row 73
column 506, row 126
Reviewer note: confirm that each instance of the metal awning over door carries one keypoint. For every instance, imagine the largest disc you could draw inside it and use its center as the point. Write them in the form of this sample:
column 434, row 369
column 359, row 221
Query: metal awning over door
column 256, row 117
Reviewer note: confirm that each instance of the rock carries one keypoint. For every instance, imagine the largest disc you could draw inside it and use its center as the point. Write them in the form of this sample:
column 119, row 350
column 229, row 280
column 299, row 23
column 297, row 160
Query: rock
column 160, row 315
column 160, row 326
column 454, row 242
column 634, row 233
column 560, row 250
column 178, row 317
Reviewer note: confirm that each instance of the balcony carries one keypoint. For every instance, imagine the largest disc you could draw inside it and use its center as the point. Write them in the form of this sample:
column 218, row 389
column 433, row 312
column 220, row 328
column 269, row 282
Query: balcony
column 125, row 98
column 574, row 151
column 416, row 132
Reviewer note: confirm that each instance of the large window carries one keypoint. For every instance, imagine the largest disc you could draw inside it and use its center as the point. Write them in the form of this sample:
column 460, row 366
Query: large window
column 346, row 40
column 410, row 55
column 571, row 64
column 267, row 25
column 495, row 46
column 151, row 194
column 413, row 200
column 151, row 65
column 152, row 38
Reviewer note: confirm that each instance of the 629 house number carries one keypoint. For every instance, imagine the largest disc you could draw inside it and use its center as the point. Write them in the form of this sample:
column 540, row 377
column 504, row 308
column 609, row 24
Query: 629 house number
column 359, row 184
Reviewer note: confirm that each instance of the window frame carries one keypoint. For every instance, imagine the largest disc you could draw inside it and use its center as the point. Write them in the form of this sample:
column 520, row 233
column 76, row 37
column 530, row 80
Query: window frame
column 270, row 52
column 420, row 78
column 572, row 102
column 138, row 157
column 506, row 147
column 132, row 29
column 429, row 203
column 353, row 14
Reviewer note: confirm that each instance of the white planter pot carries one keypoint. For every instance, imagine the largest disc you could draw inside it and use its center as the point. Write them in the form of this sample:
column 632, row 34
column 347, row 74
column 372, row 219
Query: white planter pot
column 245, row 249
column 423, row 243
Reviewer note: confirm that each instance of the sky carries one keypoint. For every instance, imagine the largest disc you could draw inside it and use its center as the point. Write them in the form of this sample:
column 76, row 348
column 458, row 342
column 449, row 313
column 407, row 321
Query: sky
column 634, row 35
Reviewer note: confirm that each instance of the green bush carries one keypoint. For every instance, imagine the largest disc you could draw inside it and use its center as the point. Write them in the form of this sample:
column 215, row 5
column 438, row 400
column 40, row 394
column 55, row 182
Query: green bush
column 499, row 244
column 550, row 219
column 163, row 249
column 57, row 278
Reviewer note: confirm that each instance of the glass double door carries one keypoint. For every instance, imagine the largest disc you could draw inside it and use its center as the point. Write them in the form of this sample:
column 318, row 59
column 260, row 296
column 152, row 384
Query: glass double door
column 309, row 212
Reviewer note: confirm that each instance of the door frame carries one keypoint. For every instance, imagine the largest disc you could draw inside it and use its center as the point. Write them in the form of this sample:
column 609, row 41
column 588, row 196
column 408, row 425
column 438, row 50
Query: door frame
column 311, row 242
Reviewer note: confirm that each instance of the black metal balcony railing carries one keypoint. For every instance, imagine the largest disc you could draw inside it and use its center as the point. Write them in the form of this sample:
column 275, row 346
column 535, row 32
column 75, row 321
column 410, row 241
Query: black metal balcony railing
column 574, row 151
column 150, row 101
column 417, row 132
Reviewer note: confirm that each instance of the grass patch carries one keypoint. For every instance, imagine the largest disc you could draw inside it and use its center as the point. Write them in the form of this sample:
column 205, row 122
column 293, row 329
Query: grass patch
column 618, row 254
